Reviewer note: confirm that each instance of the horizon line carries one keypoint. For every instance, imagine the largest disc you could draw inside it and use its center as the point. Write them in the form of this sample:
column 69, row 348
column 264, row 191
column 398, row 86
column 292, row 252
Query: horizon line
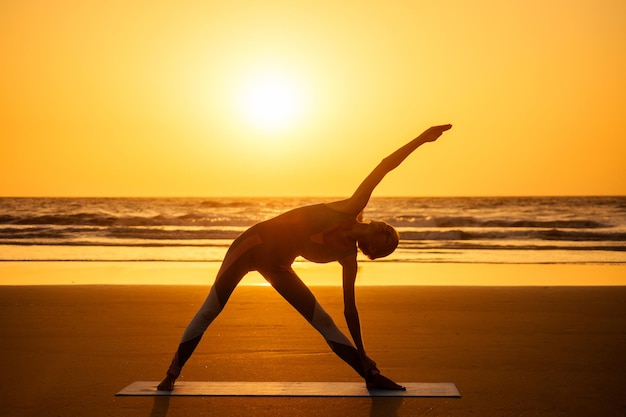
column 321, row 196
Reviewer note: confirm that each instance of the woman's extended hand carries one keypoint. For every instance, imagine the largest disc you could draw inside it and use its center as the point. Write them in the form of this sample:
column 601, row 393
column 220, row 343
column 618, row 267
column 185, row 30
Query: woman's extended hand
column 374, row 379
column 432, row 133
column 369, row 366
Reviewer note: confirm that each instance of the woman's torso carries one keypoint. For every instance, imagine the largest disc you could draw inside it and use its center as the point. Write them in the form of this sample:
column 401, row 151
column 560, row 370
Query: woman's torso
column 317, row 233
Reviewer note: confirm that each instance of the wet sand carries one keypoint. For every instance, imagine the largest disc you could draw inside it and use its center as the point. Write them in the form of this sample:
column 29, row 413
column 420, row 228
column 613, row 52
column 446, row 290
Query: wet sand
column 512, row 351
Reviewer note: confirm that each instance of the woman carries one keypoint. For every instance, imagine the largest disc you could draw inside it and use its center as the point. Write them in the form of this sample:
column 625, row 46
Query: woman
column 320, row 233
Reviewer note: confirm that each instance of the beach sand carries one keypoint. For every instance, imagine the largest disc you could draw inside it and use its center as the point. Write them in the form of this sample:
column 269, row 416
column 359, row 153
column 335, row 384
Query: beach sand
column 511, row 351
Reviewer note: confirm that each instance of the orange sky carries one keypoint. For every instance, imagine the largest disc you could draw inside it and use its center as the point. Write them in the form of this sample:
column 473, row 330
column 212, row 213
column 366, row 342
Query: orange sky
column 207, row 98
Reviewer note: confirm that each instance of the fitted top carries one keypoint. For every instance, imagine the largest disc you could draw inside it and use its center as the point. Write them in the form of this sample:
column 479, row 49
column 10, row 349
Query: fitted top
column 313, row 232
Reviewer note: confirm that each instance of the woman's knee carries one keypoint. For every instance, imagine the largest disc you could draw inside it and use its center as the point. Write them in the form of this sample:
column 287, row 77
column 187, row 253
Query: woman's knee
column 204, row 317
column 212, row 306
column 324, row 323
column 321, row 320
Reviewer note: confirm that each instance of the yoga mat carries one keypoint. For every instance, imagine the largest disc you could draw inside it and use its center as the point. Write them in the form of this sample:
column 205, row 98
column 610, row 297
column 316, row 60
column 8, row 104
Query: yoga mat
column 290, row 389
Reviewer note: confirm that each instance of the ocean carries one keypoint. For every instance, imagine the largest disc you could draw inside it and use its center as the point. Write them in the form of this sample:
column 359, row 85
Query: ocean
column 498, row 230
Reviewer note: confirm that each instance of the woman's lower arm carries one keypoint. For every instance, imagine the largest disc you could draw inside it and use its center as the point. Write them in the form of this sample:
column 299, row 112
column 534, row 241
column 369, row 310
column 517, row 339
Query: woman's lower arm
column 354, row 325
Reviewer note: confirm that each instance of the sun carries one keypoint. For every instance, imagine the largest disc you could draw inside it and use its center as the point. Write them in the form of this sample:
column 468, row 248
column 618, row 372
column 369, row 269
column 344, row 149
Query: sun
column 270, row 101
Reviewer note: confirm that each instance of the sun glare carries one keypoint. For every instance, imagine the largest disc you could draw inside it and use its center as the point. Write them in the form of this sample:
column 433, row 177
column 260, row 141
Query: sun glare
column 270, row 101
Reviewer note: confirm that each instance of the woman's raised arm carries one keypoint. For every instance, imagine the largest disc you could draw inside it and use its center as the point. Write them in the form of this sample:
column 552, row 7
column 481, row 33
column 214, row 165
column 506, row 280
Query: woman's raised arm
column 361, row 196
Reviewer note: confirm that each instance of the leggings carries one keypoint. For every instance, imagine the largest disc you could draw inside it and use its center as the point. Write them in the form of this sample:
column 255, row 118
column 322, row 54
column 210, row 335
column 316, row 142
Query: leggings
column 235, row 266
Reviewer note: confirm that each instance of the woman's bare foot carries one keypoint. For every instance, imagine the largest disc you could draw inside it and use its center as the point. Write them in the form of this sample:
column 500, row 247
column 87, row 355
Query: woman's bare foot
column 167, row 384
column 378, row 381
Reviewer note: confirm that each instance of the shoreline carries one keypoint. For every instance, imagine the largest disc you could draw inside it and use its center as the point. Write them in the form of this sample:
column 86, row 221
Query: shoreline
column 18, row 273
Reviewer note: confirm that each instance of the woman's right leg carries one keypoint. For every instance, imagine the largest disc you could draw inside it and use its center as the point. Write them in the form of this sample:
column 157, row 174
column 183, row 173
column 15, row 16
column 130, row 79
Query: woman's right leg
column 233, row 269
column 290, row 286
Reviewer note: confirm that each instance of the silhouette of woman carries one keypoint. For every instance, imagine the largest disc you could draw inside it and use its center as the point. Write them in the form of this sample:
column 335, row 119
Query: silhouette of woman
column 320, row 233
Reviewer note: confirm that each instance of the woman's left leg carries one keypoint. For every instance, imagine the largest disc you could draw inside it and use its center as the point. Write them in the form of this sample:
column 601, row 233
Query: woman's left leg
column 234, row 267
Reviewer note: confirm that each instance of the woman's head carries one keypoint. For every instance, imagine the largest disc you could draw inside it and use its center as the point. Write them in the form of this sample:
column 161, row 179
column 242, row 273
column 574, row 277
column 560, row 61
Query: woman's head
column 380, row 240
